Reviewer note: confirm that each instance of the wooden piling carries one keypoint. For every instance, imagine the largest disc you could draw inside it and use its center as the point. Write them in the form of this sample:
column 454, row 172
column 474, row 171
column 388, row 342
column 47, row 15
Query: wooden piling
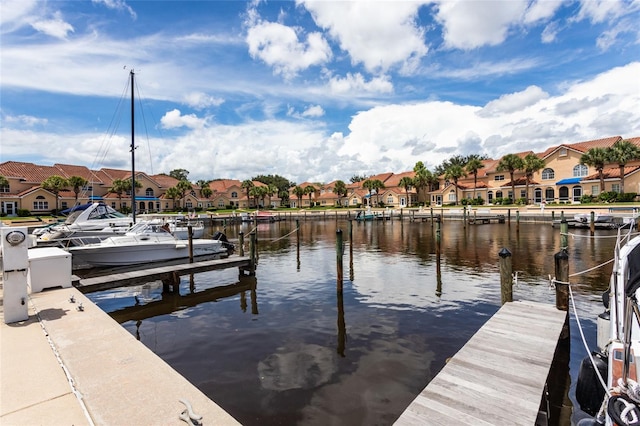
column 339, row 266
column 252, row 253
column 506, row 276
column 517, row 220
column 561, row 260
column 431, row 208
column 509, row 217
column 592, row 224
column 564, row 234
column 190, row 234
column 241, row 243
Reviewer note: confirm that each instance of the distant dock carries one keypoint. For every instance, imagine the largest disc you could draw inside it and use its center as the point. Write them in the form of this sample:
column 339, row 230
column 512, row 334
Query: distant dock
column 499, row 376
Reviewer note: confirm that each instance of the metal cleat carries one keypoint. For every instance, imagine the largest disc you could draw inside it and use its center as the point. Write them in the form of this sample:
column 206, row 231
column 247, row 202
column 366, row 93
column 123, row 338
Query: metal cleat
column 188, row 416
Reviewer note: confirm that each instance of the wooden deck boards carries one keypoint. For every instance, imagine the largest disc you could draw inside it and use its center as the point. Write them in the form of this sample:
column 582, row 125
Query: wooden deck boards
column 145, row 275
column 498, row 377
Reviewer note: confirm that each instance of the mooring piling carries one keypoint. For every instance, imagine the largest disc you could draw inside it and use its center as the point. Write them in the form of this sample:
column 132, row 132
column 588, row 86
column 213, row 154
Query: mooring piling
column 339, row 266
column 506, row 276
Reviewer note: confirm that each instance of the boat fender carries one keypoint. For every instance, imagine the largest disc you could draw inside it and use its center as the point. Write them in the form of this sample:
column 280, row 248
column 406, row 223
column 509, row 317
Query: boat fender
column 589, row 392
column 605, row 299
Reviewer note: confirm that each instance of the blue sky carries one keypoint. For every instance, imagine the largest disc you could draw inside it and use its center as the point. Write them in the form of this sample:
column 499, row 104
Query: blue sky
column 312, row 90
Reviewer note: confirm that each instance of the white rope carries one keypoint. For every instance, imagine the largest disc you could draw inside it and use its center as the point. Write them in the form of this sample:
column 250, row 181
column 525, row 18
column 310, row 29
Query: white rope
column 591, row 269
column 584, row 342
column 284, row 236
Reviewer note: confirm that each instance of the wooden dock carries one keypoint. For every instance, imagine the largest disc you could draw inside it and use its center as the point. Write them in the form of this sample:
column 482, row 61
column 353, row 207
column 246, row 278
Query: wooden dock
column 499, row 376
column 479, row 220
column 105, row 282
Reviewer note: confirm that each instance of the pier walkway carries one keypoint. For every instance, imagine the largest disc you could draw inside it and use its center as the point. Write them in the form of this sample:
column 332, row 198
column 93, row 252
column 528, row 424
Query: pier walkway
column 499, row 376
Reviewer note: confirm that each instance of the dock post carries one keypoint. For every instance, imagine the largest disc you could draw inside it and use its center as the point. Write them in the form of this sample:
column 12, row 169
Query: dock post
column 339, row 266
column 431, row 208
column 509, row 217
column 506, row 276
column 464, row 217
column 190, row 233
column 241, row 243
column 553, row 216
column 564, row 234
column 298, row 243
column 561, row 260
column 350, row 250
column 517, row 220
column 252, row 253
column 592, row 224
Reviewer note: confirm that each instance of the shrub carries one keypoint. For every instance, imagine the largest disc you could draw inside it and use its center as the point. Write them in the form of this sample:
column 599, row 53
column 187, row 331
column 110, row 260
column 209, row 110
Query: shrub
column 627, row 197
column 586, row 199
column 24, row 213
column 608, row 197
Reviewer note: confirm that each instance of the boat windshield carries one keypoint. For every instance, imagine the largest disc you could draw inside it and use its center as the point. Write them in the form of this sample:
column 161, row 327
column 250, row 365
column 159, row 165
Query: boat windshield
column 105, row 212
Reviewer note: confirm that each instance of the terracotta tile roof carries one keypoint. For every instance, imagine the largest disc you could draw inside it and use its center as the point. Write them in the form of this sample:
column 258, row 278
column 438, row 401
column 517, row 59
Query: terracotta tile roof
column 328, row 196
column 612, row 172
column 516, row 182
column 382, row 177
column 583, row 147
column 223, row 185
column 164, row 181
column 27, row 172
column 68, row 170
column 394, row 179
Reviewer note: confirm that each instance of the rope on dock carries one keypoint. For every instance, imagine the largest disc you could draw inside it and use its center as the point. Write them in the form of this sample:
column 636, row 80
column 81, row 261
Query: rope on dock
column 284, row 236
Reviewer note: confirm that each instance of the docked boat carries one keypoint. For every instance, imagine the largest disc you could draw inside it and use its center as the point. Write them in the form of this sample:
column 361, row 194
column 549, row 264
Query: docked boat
column 608, row 389
column 145, row 242
column 259, row 216
column 93, row 219
column 365, row 215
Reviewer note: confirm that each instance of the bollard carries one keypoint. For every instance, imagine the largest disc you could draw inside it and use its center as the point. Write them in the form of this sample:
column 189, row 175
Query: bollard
column 241, row 243
column 339, row 259
column 464, row 217
column 592, row 224
column 561, row 260
column 564, row 234
column 506, row 276
column 509, row 217
column 518, row 221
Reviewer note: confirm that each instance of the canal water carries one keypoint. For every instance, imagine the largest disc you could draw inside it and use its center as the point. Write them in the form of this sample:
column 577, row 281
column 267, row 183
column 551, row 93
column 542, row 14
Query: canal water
column 285, row 348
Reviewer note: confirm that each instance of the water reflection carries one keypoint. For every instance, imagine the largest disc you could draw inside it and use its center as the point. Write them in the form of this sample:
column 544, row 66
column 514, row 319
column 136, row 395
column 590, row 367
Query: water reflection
column 318, row 355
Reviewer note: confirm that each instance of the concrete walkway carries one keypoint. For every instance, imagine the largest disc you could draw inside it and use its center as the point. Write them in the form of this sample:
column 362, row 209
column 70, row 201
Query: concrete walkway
column 65, row 366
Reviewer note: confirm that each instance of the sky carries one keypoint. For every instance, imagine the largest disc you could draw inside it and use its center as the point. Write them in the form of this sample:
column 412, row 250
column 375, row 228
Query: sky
column 313, row 91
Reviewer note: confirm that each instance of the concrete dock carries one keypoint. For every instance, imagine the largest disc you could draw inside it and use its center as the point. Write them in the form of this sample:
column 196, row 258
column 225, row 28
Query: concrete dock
column 71, row 366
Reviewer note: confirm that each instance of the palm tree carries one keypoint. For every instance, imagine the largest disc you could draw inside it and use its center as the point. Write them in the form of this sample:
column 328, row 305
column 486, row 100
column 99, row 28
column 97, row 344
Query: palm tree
column 472, row 167
column 118, row 186
column 621, row 153
column 406, row 183
column 247, row 185
column 202, row 184
column 183, row 186
column 77, row 183
column 596, row 158
column 206, row 192
column 377, row 185
column 173, row 193
column 271, row 191
column 368, row 185
column 453, row 173
column 510, row 163
column 258, row 192
column 420, row 180
column 340, row 189
column 532, row 164
column 4, row 182
column 310, row 190
column 299, row 193
column 55, row 184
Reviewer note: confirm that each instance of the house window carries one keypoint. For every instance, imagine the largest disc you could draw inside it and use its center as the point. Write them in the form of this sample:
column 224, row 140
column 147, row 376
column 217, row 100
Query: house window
column 40, row 203
column 189, row 205
column 452, row 196
column 193, row 193
column 113, row 204
column 595, row 190
column 615, row 187
column 234, row 194
column 354, row 201
column 4, row 188
column 549, row 195
column 490, row 197
column 499, row 177
column 498, row 194
column 148, row 192
column 63, row 205
column 580, row 170
column 562, row 152
column 390, row 199
column 523, row 193
column 220, row 203
column 548, row 174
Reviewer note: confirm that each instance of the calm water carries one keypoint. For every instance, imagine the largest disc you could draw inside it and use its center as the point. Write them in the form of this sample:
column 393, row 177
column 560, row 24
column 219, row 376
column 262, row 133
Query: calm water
column 283, row 348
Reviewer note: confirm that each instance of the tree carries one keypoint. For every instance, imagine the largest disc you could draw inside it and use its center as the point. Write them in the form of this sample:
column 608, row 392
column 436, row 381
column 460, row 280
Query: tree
column 510, row 163
column 118, row 186
column 180, row 174
column 299, row 193
column 406, row 183
column 531, row 164
column 377, row 185
column 596, row 158
column 172, row 193
column 4, row 182
column 283, row 185
column 621, row 153
column 206, row 192
column 202, row 184
column 310, row 190
column 183, row 186
column 77, row 183
column 340, row 189
column 357, row 178
column 453, row 173
column 55, row 184
column 472, row 167
column 247, row 185
column 368, row 185
column 271, row 191
column 258, row 192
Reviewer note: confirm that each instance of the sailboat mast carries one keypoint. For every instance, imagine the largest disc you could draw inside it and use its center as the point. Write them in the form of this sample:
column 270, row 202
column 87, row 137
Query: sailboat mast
column 133, row 156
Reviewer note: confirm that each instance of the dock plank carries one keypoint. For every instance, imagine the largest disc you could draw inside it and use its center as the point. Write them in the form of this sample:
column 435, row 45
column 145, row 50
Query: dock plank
column 498, row 377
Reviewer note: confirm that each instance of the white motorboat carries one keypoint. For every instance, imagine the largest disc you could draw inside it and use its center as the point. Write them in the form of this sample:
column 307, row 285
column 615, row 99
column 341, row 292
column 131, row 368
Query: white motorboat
column 94, row 219
column 608, row 388
column 145, row 242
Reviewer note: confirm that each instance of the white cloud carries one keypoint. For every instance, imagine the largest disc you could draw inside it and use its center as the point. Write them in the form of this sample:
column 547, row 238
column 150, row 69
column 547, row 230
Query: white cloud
column 117, row 5
column 279, row 47
column 599, row 11
column 55, row 27
column 24, row 120
column 541, row 10
column 199, row 100
column 174, row 119
column 355, row 83
column 313, row 111
column 514, row 102
column 377, row 34
column 15, row 13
